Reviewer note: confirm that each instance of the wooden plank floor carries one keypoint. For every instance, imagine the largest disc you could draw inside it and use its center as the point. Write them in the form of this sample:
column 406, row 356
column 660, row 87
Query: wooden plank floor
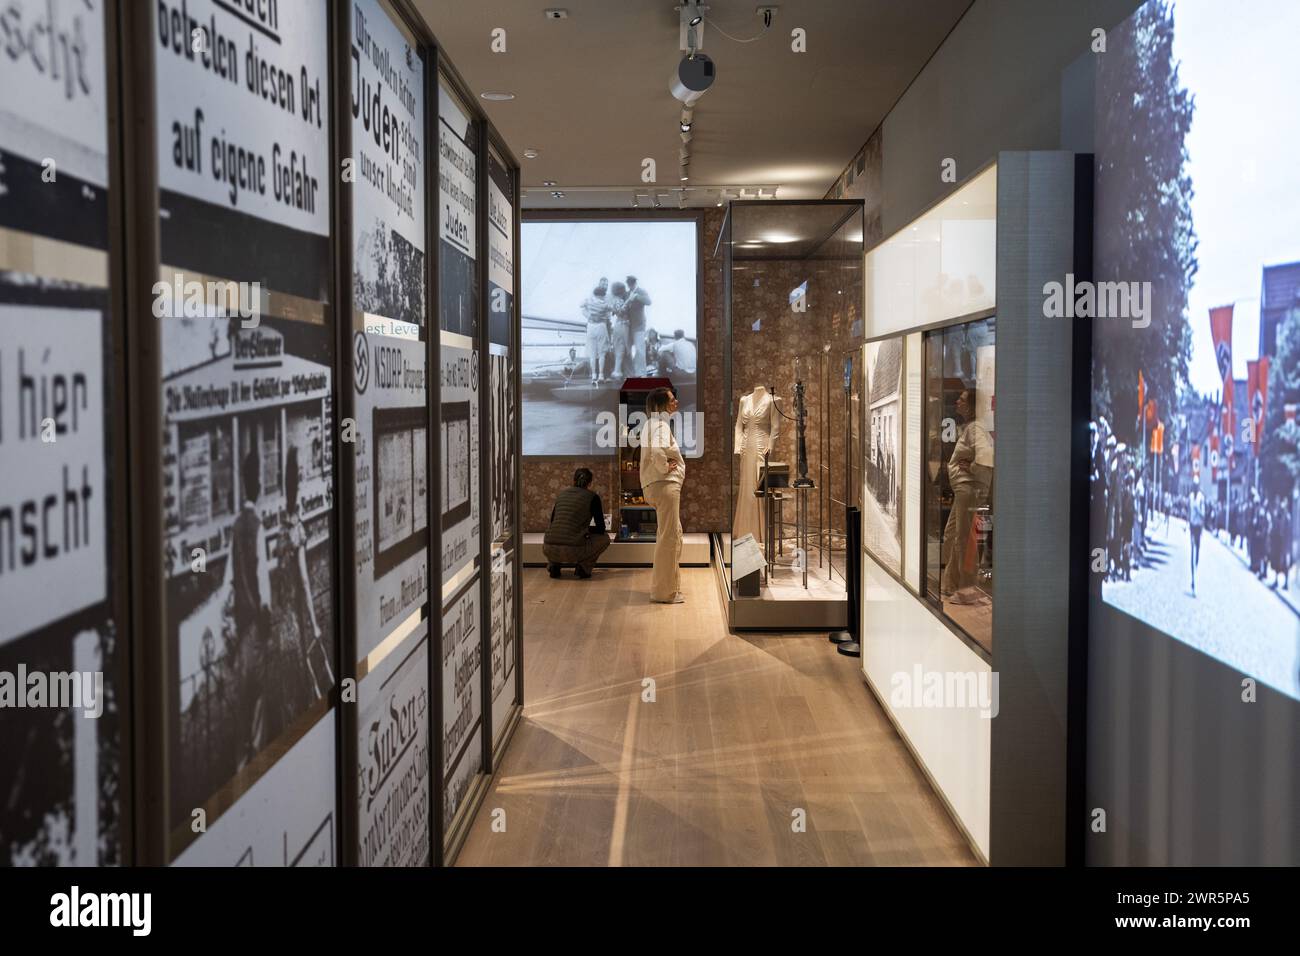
column 743, row 732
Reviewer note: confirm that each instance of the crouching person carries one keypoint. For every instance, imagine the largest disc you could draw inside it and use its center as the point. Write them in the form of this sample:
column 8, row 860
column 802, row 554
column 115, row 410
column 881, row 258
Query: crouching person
column 577, row 534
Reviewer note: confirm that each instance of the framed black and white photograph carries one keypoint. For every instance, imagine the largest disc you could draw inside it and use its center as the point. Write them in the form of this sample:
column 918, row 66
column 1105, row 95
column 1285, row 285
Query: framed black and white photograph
column 885, row 465
column 249, row 494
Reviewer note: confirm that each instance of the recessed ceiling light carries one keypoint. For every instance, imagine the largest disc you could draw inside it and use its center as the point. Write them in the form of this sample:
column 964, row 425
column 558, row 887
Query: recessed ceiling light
column 548, row 182
column 685, row 177
column 686, row 127
column 497, row 97
column 530, row 153
column 558, row 194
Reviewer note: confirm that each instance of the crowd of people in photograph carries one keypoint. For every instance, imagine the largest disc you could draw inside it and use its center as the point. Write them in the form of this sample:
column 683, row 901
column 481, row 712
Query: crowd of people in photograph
column 1126, row 506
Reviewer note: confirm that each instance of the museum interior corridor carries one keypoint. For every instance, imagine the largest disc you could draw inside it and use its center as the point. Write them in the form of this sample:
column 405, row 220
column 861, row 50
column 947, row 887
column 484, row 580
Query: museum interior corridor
column 743, row 731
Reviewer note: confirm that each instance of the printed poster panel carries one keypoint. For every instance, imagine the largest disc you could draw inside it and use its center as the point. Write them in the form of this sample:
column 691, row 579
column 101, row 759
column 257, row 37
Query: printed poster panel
column 390, row 378
column 53, row 121
column 503, row 418
column 393, row 747
column 502, row 641
column 53, row 461
column 58, row 637
column 462, row 700
column 286, row 818
column 501, row 251
column 457, row 234
column 243, row 138
column 387, row 93
column 459, row 438
column 247, row 420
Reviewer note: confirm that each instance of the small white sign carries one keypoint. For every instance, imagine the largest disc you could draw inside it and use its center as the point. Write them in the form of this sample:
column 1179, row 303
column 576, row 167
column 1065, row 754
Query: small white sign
column 746, row 557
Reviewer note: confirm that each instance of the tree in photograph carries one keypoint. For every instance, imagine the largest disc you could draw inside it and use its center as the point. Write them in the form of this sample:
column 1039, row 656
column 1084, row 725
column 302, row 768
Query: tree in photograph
column 1143, row 196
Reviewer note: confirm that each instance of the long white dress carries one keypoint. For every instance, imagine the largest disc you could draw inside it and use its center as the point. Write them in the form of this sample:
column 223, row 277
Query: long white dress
column 757, row 425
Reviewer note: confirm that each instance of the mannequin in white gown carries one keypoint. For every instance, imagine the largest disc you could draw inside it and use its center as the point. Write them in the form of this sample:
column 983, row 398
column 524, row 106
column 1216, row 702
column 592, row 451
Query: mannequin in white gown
column 757, row 425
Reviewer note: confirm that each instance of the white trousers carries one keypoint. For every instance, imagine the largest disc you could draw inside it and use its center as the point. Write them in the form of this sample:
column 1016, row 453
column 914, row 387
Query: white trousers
column 597, row 346
column 666, row 579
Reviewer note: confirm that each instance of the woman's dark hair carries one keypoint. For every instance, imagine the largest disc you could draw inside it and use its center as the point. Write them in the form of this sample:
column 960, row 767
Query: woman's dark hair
column 582, row 477
column 657, row 401
column 291, row 479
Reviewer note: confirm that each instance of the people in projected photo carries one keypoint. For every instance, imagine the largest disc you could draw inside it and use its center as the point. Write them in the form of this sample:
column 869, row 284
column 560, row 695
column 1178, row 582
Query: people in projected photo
column 970, row 473
column 620, row 336
column 575, row 367
column 634, row 307
column 1195, row 524
column 597, row 310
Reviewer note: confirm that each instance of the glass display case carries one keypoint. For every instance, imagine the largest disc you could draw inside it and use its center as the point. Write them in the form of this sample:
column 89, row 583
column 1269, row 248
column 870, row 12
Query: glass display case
column 958, row 480
column 794, row 286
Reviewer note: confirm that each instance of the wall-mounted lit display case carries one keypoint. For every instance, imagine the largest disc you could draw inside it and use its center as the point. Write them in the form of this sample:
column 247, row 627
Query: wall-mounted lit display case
column 794, row 290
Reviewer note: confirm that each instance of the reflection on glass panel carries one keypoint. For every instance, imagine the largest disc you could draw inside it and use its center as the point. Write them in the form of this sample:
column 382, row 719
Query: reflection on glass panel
column 959, row 405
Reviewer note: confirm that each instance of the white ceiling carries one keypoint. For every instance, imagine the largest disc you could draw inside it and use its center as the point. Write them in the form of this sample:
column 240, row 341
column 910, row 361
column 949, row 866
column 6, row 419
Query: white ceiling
column 591, row 91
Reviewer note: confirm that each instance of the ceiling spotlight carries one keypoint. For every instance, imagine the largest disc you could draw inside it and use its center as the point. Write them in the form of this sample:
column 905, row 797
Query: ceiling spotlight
column 530, row 153
column 497, row 97
column 692, row 78
column 684, row 176
column 548, row 182
column 686, row 127
column 558, row 194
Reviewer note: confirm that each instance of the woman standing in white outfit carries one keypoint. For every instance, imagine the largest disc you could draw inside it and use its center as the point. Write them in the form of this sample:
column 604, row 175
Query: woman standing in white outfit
column 662, row 472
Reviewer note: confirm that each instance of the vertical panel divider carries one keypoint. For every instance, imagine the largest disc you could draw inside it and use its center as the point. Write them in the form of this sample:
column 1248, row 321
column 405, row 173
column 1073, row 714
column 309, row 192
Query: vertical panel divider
column 119, row 594
column 482, row 338
column 433, row 327
column 139, row 236
column 345, row 460
column 517, row 350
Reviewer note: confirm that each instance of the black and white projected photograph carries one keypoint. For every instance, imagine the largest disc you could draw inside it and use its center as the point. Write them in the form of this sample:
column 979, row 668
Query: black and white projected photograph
column 882, row 505
column 1195, row 445
column 249, row 491
column 604, row 301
